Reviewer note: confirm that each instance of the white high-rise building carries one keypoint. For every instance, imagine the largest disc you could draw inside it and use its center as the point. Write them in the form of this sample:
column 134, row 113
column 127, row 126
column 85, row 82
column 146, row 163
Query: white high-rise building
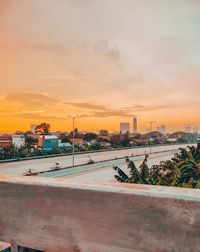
column 192, row 129
column 196, row 130
column 162, row 129
column 188, row 129
column 124, row 127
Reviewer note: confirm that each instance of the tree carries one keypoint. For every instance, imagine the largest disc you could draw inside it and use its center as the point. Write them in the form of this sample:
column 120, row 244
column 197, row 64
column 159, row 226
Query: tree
column 95, row 146
column 77, row 134
column 116, row 140
column 30, row 141
column 90, row 137
column 43, row 128
column 125, row 140
column 64, row 138
column 103, row 132
column 18, row 132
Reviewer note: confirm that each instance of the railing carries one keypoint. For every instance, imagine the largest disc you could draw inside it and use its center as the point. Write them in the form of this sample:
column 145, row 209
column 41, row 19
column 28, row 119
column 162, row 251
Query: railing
column 89, row 152
column 52, row 215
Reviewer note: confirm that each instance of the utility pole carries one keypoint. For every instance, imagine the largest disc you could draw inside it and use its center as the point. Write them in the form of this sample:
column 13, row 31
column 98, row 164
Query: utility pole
column 73, row 119
column 151, row 125
column 150, row 138
column 73, row 146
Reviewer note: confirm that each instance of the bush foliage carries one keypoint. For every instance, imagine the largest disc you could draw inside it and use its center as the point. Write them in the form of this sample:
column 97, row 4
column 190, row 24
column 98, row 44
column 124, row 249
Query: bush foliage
column 183, row 170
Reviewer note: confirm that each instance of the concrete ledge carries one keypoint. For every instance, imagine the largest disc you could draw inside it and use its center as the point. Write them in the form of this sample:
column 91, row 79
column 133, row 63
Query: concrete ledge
column 52, row 215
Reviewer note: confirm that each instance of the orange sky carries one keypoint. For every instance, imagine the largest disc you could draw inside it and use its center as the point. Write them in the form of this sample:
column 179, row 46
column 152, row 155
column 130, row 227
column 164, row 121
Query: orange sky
column 106, row 60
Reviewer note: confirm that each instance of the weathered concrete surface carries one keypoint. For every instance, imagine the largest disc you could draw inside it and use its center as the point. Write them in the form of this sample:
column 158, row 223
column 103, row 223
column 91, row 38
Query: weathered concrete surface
column 51, row 215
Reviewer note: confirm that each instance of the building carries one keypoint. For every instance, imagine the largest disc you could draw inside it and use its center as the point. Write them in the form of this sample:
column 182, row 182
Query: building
column 162, row 129
column 135, row 125
column 192, row 129
column 18, row 140
column 188, row 129
column 172, row 140
column 5, row 141
column 64, row 145
column 124, row 127
column 195, row 130
column 48, row 142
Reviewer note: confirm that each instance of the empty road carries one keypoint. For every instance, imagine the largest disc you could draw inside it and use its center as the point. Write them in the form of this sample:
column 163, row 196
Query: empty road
column 103, row 172
column 45, row 164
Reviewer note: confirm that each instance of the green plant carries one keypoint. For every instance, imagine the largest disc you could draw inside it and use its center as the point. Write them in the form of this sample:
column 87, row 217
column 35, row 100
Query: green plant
column 183, row 170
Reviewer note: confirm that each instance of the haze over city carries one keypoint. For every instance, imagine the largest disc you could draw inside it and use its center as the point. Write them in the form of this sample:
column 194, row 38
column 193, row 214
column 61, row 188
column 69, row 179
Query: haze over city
column 61, row 58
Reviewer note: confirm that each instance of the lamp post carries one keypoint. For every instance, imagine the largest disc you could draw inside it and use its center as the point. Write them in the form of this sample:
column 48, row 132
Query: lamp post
column 150, row 141
column 73, row 127
column 150, row 138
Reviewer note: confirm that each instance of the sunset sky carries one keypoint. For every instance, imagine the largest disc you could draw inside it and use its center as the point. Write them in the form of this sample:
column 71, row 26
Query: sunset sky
column 104, row 59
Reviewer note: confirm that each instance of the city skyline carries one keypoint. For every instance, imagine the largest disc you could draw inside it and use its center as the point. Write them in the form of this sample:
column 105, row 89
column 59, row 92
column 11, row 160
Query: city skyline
column 60, row 58
column 123, row 127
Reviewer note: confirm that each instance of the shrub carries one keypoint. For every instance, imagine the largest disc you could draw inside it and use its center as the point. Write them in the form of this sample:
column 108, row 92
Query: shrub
column 183, row 170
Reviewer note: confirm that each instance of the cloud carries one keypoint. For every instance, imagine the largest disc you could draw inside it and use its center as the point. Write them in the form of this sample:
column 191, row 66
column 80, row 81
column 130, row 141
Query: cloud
column 84, row 105
column 111, row 52
column 194, row 2
column 4, row 4
column 37, row 116
column 57, row 49
column 154, row 43
column 35, row 47
column 111, row 113
column 141, row 108
column 77, row 3
column 101, row 111
column 32, row 111
column 32, row 99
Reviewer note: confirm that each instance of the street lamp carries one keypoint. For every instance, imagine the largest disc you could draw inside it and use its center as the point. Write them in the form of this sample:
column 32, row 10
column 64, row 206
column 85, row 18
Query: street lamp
column 151, row 129
column 150, row 141
column 73, row 147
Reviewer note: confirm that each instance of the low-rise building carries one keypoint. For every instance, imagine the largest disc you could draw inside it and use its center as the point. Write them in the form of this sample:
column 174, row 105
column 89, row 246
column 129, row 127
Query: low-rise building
column 5, row 141
column 105, row 145
column 162, row 129
column 65, row 145
column 18, row 140
column 172, row 140
column 48, row 142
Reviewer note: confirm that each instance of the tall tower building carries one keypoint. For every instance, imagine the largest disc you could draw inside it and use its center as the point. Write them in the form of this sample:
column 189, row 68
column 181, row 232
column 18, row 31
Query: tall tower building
column 135, row 125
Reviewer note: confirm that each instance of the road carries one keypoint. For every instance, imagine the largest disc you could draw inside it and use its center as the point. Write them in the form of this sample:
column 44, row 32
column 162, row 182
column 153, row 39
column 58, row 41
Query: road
column 17, row 168
column 103, row 172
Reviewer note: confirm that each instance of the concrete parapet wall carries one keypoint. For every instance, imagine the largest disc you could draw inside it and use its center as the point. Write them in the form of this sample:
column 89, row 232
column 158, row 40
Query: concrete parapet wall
column 52, row 215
